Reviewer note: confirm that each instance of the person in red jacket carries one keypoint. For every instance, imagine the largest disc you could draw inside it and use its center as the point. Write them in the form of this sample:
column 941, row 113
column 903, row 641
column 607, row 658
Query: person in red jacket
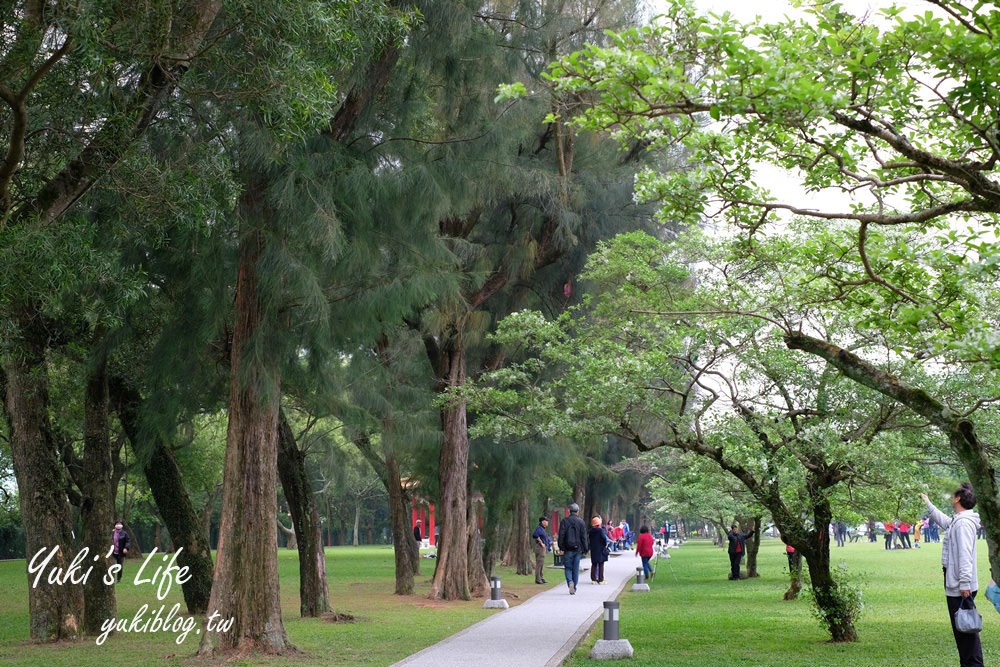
column 644, row 550
column 904, row 534
column 889, row 527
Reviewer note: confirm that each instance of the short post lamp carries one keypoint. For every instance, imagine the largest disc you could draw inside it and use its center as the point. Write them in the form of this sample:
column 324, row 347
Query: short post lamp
column 640, row 581
column 496, row 600
column 612, row 646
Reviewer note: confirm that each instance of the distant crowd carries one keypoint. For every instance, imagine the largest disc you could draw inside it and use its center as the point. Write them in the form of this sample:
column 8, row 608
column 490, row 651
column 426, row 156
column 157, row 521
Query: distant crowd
column 896, row 533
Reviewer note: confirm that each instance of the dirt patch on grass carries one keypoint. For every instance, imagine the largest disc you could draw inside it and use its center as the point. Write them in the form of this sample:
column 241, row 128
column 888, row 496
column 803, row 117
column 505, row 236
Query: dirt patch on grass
column 335, row 617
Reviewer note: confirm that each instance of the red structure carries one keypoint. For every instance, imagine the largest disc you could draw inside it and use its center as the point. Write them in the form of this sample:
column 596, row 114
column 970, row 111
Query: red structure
column 423, row 510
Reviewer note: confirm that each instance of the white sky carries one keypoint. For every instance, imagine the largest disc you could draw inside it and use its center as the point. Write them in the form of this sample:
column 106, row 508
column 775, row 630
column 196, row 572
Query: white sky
column 784, row 188
column 776, row 10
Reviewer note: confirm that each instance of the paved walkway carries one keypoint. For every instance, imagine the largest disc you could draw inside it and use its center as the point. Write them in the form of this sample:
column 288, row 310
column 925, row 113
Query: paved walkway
column 538, row 633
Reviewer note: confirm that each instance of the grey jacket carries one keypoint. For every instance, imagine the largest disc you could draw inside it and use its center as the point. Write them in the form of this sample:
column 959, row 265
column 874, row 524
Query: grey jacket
column 958, row 550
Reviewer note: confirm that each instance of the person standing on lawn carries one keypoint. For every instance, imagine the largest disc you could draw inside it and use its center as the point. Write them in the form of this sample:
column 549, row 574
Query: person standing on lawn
column 540, row 544
column 737, row 547
column 120, row 544
column 958, row 560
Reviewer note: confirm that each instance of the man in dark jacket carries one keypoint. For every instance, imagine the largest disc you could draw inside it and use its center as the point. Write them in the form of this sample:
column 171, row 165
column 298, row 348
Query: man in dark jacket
column 120, row 543
column 737, row 547
column 573, row 544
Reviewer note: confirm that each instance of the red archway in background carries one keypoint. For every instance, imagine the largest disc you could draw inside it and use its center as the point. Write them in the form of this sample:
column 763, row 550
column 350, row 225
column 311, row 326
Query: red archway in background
column 423, row 510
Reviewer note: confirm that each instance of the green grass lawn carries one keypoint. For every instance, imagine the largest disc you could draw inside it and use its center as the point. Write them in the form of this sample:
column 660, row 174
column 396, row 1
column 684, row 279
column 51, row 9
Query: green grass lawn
column 386, row 627
column 693, row 616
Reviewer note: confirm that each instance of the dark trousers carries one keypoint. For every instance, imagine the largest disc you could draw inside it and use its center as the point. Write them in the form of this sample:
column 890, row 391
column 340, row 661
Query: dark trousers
column 970, row 650
column 120, row 560
column 596, row 571
column 794, row 560
column 734, row 565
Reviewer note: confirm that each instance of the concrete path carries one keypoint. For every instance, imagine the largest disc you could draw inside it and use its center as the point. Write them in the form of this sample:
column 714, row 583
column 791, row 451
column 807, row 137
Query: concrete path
column 538, row 633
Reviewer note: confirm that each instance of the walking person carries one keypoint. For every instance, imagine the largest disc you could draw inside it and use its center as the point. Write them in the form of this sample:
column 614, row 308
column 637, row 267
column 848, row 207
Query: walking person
column 737, row 547
column 599, row 550
column 644, row 550
column 539, row 540
column 120, row 544
column 573, row 544
column 958, row 560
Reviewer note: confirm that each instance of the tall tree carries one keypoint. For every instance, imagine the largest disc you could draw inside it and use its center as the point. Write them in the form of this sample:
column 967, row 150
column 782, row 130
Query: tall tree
column 900, row 113
column 287, row 229
column 725, row 391
column 522, row 198
column 314, row 593
column 58, row 141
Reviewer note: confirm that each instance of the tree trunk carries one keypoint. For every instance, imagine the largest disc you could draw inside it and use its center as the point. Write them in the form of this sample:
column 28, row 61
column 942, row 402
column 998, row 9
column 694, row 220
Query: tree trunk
column 187, row 532
column 289, row 533
column 451, row 576
column 795, row 577
column 752, row 549
column 814, row 546
column 97, row 508
column 245, row 588
column 961, row 432
column 357, row 520
column 589, row 508
column 402, row 537
column 314, row 592
column 521, row 556
column 479, row 583
column 341, row 531
column 54, row 612
column 839, row 622
column 207, row 511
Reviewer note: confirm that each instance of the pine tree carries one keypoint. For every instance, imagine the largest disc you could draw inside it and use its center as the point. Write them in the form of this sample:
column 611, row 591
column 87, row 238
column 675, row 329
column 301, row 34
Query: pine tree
column 524, row 198
column 59, row 141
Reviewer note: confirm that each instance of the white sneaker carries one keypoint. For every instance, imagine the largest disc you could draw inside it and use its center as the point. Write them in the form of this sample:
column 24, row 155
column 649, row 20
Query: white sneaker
column 572, row 588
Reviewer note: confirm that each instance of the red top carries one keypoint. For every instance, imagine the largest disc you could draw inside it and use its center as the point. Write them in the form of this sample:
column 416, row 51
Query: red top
column 644, row 545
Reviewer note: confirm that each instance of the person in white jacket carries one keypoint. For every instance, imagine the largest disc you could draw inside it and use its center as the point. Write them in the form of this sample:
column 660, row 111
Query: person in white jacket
column 958, row 560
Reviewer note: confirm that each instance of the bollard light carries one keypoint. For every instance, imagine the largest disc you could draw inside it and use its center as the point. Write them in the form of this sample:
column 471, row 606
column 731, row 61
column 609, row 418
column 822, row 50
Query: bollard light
column 611, row 609
column 496, row 600
column 612, row 646
column 494, row 588
column 640, row 581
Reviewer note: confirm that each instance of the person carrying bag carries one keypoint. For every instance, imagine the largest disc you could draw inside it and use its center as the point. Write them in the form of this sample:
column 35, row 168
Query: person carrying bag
column 958, row 562
column 967, row 617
